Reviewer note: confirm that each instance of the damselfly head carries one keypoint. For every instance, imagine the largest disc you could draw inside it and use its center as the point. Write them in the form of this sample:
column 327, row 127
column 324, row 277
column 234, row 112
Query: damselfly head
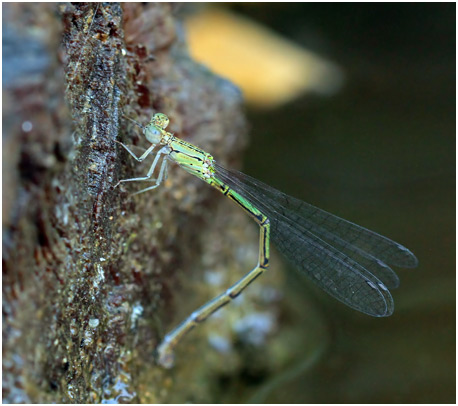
column 160, row 120
column 154, row 131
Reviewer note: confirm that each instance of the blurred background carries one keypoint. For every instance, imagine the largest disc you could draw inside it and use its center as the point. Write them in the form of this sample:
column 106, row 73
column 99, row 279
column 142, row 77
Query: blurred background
column 352, row 108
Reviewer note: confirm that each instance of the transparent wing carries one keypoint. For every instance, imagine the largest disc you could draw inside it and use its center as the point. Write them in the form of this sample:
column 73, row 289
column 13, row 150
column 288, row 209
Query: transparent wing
column 346, row 260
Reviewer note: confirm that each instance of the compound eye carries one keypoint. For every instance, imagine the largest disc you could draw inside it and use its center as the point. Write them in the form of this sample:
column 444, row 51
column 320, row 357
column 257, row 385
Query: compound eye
column 153, row 134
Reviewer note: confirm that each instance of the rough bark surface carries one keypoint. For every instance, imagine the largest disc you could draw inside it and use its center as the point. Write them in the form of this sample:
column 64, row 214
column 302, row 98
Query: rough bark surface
column 89, row 272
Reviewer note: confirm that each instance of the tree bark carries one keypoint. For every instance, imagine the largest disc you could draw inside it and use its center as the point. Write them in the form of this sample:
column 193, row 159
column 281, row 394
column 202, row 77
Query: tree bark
column 90, row 273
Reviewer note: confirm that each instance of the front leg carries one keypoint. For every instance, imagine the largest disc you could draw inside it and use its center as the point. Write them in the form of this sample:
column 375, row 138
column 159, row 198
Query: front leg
column 145, row 154
column 159, row 179
column 164, row 150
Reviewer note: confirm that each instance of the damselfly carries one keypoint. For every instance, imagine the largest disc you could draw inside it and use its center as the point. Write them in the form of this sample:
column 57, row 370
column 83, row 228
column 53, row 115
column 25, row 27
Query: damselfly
column 349, row 262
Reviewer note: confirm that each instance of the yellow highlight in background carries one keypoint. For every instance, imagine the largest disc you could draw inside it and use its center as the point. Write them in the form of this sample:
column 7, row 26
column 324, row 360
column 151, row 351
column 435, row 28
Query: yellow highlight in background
column 269, row 69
